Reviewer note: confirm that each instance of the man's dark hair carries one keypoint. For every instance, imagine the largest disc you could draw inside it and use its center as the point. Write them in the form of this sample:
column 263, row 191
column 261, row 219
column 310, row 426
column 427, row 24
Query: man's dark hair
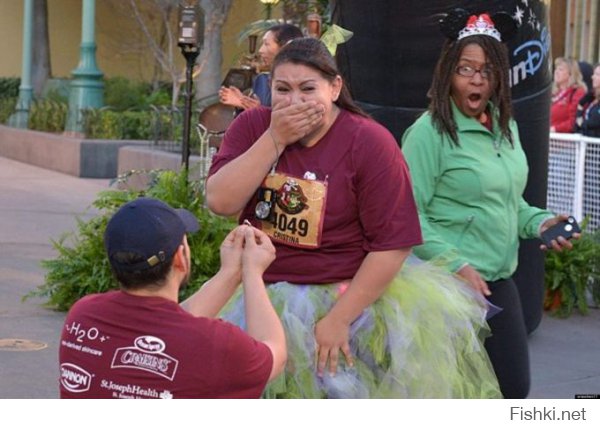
column 132, row 280
column 440, row 106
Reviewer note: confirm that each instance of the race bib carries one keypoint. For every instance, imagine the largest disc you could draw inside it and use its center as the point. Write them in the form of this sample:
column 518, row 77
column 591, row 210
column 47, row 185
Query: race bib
column 291, row 210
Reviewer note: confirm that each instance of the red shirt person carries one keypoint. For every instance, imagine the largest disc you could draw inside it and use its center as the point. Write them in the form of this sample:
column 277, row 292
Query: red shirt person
column 138, row 342
column 567, row 90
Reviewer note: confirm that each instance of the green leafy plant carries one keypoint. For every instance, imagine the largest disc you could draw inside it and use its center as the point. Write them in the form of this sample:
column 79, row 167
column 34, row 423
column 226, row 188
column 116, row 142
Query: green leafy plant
column 107, row 124
column 9, row 87
column 7, row 108
column 122, row 93
column 101, row 124
column 572, row 278
column 81, row 267
column 48, row 115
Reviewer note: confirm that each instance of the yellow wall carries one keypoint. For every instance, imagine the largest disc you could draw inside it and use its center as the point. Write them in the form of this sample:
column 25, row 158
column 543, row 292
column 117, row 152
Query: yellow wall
column 64, row 28
column 115, row 55
column 11, row 29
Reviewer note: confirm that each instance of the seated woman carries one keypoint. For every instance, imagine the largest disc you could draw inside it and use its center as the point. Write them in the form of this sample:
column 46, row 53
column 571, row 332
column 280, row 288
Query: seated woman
column 567, row 90
column 272, row 41
column 330, row 187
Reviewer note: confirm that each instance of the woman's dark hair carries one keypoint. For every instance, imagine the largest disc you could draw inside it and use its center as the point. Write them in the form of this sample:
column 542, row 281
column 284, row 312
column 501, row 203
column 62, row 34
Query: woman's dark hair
column 440, row 106
column 312, row 53
column 283, row 33
column 593, row 90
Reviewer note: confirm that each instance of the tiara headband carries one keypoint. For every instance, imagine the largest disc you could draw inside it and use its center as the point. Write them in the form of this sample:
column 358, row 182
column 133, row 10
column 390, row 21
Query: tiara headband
column 459, row 23
column 481, row 24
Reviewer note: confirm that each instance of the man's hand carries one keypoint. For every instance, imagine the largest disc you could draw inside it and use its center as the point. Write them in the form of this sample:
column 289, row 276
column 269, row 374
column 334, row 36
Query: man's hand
column 214, row 294
column 262, row 322
column 231, row 252
column 258, row 252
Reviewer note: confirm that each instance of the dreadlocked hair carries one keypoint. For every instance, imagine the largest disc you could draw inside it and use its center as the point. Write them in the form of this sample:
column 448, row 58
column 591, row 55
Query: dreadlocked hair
column 440, row 106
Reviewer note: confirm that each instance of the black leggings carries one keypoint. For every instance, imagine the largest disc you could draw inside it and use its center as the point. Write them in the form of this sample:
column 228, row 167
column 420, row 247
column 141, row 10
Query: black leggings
column 507, row 347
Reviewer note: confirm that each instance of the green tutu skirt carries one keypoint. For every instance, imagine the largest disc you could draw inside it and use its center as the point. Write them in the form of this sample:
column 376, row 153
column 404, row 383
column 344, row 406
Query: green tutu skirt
column 423, row 338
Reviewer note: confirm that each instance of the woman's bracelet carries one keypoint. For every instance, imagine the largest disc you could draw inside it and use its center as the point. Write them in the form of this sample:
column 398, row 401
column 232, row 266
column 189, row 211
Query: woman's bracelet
column 276, row 150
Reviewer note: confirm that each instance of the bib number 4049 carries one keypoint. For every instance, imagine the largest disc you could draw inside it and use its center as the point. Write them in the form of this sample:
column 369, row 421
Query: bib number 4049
column 290, row 224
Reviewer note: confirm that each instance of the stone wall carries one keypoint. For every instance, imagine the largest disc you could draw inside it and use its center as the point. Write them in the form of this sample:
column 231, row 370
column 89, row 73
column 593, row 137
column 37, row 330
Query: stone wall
column 99, row 159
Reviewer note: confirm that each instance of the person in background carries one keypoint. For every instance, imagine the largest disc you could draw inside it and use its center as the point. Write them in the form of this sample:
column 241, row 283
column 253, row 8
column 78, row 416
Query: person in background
column 588, row 124
column 138, row 342
column 469, row 172
column 567, row 89
column 586, row 70
column 588, row 109
column 330, row 187
column 272, row 41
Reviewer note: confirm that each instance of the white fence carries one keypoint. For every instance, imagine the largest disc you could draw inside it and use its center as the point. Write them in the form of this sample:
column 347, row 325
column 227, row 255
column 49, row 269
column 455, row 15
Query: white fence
column 574, row 177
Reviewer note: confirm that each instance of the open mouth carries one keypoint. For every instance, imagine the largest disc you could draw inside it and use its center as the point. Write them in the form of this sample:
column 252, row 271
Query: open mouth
column 475, row 98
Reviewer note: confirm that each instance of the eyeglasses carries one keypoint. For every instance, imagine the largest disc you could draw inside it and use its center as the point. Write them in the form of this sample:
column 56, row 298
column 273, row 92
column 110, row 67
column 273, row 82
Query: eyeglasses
column 468, row 71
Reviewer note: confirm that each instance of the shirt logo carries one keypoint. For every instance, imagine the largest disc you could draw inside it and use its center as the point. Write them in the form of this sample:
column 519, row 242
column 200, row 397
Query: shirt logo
column 74, row 378
column 146, row 355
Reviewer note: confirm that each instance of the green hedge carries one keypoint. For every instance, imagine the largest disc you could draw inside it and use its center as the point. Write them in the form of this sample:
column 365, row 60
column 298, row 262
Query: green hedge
column 7, row 108
column 48, row 115
column 122, row 94
column 81, row 267
column 9, row 87
column 127, row 114
column 111, row 125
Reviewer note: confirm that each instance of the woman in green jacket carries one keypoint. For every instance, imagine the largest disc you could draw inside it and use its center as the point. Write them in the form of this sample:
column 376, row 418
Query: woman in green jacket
column 469, row 172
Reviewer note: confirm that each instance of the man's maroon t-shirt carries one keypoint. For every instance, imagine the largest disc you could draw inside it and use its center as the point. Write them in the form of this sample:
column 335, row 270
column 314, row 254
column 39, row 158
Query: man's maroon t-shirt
column 116, row 345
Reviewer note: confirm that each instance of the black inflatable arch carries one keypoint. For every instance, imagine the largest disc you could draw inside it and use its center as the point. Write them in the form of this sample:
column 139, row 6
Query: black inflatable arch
column 388, row 65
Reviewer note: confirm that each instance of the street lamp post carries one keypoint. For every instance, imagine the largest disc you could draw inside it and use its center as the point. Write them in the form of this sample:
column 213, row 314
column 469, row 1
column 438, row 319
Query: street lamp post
column 190, row 39
column 269, row 5
column 86, row 88
column 20, row 118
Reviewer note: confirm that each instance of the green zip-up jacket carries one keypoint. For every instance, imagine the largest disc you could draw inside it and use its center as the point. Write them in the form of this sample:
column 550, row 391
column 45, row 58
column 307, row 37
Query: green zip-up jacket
column 469, row 197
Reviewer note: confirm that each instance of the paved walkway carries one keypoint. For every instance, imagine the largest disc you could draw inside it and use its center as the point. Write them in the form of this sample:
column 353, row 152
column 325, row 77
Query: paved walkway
column 37, row 205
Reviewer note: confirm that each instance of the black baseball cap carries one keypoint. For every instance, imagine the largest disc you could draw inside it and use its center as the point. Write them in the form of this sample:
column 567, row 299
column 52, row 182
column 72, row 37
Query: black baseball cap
column 149, row 228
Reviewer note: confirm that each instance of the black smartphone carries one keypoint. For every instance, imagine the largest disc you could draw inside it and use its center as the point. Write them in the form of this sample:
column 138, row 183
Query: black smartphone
column 566, row 228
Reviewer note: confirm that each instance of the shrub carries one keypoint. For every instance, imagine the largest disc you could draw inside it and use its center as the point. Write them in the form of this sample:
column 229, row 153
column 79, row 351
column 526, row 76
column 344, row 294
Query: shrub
column 121, row 94
column 108, row 124
column 572, row 277
column 57, row 95
column 81, row 267
column 7, row 108
column 159, row 97
column 136, row 125
column 48, row 115
column 9, row 87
